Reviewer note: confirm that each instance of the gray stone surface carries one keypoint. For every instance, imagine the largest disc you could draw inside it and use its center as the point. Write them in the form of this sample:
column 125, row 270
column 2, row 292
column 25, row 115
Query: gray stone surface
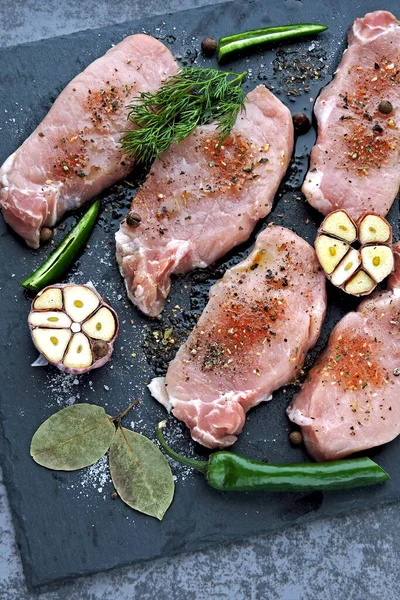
column 350, row 558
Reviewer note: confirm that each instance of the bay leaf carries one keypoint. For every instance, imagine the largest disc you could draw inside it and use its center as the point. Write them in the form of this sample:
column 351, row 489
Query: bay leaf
column 73, row 438
column 140, row 473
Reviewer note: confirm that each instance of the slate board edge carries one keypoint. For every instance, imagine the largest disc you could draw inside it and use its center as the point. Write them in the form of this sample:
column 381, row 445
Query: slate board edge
column 200, row 545
column 138, row 23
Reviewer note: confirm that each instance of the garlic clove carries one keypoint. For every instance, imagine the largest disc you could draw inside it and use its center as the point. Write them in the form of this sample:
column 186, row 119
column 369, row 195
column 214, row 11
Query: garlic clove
column 101, row 326
column 341, row 225
column 360, row 284
column 373, row 228
column 346, row 267
column 51, row 298
column 378, row 261
column 79, row 354
column 52, row 343
column 330, row 252
column 100, row 348
column 55, row 319
column 79, row 302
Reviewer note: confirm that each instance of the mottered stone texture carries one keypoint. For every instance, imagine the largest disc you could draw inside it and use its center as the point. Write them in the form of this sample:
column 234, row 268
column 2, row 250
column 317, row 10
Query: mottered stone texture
column 349, row 558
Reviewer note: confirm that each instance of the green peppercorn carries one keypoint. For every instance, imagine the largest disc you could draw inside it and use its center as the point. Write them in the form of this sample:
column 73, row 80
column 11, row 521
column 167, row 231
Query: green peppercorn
column 385, row 107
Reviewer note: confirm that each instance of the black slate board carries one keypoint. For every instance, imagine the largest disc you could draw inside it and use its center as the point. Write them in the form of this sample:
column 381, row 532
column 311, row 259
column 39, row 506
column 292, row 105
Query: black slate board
column 66, row 523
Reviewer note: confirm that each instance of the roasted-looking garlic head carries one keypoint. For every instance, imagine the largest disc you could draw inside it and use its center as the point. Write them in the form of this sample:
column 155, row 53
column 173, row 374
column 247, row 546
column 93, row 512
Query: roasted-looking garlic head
column 355, row 269
column 72, row 327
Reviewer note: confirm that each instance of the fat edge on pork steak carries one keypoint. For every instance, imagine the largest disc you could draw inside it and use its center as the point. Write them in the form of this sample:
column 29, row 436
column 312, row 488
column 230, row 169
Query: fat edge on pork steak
column 252, row 337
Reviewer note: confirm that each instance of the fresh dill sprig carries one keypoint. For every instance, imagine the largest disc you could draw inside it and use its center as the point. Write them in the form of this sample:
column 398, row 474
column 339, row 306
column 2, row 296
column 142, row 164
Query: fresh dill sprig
column 193, row 97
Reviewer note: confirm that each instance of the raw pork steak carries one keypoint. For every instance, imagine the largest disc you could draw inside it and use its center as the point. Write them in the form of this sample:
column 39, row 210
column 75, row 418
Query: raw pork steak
column 75, row 152
column 355, row 163
column 261, row 319
column 200, row 201
column 350, row 401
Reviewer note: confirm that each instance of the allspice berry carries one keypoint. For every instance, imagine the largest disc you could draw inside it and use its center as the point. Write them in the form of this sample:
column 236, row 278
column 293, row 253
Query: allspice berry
column 296, row 438
column 209, row 46
column 45, row 235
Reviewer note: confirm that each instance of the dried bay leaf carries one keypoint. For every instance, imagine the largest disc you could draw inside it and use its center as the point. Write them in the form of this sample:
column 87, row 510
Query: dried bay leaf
column 140, row 473
column 73, row 438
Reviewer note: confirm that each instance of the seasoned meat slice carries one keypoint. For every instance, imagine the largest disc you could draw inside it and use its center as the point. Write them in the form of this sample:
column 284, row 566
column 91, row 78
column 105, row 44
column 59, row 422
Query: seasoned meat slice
column 261, row 319
column 199, row 200
column 75, row 151
column 350, row 401
column 355, row 163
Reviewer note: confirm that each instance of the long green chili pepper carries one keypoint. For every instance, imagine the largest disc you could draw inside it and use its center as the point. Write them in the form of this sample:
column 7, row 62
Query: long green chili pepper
column 229, row 472
column 257, row 37
column 54, row 267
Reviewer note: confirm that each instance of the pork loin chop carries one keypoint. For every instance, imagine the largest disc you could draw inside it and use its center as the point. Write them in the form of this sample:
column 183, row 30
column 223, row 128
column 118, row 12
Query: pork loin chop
column 75, row 151
column 350, row 401
column 199, row 200
column 261, row 319
column 355, row 162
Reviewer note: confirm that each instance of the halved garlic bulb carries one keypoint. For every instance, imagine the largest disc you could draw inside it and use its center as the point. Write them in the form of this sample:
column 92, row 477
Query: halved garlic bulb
column 72, row 327
column 357, row 272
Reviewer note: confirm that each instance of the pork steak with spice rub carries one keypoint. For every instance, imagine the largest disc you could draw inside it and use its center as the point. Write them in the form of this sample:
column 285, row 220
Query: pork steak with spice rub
column 261, row 319
column 75, row 152
column 350, row 401
column 355, row 164
column 200, row 200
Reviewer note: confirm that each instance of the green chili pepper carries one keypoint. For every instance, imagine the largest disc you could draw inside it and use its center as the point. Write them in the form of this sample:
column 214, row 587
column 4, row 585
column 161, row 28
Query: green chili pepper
column 232, row 473
column 258, row 37
column 54, row 267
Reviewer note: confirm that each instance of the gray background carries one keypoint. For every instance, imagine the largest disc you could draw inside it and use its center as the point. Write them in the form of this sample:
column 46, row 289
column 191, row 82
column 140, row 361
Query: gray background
column 351, row 558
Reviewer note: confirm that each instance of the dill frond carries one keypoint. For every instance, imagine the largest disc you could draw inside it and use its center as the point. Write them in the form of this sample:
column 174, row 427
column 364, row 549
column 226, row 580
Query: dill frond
column 192, row 97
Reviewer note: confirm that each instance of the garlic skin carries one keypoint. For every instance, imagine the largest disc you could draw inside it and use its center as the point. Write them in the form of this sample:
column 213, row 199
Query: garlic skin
column 356, row 270
column 67, row 321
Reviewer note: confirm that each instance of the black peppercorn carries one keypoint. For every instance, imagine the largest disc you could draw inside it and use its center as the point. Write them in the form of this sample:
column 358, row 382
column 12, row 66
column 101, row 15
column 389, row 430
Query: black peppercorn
column 133, row 220
column 385, row 107
column 301, row 123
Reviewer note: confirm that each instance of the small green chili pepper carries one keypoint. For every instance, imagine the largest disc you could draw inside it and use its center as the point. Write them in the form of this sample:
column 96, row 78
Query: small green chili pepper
column 232, row 473
column 258, row 37
column 54, row 267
